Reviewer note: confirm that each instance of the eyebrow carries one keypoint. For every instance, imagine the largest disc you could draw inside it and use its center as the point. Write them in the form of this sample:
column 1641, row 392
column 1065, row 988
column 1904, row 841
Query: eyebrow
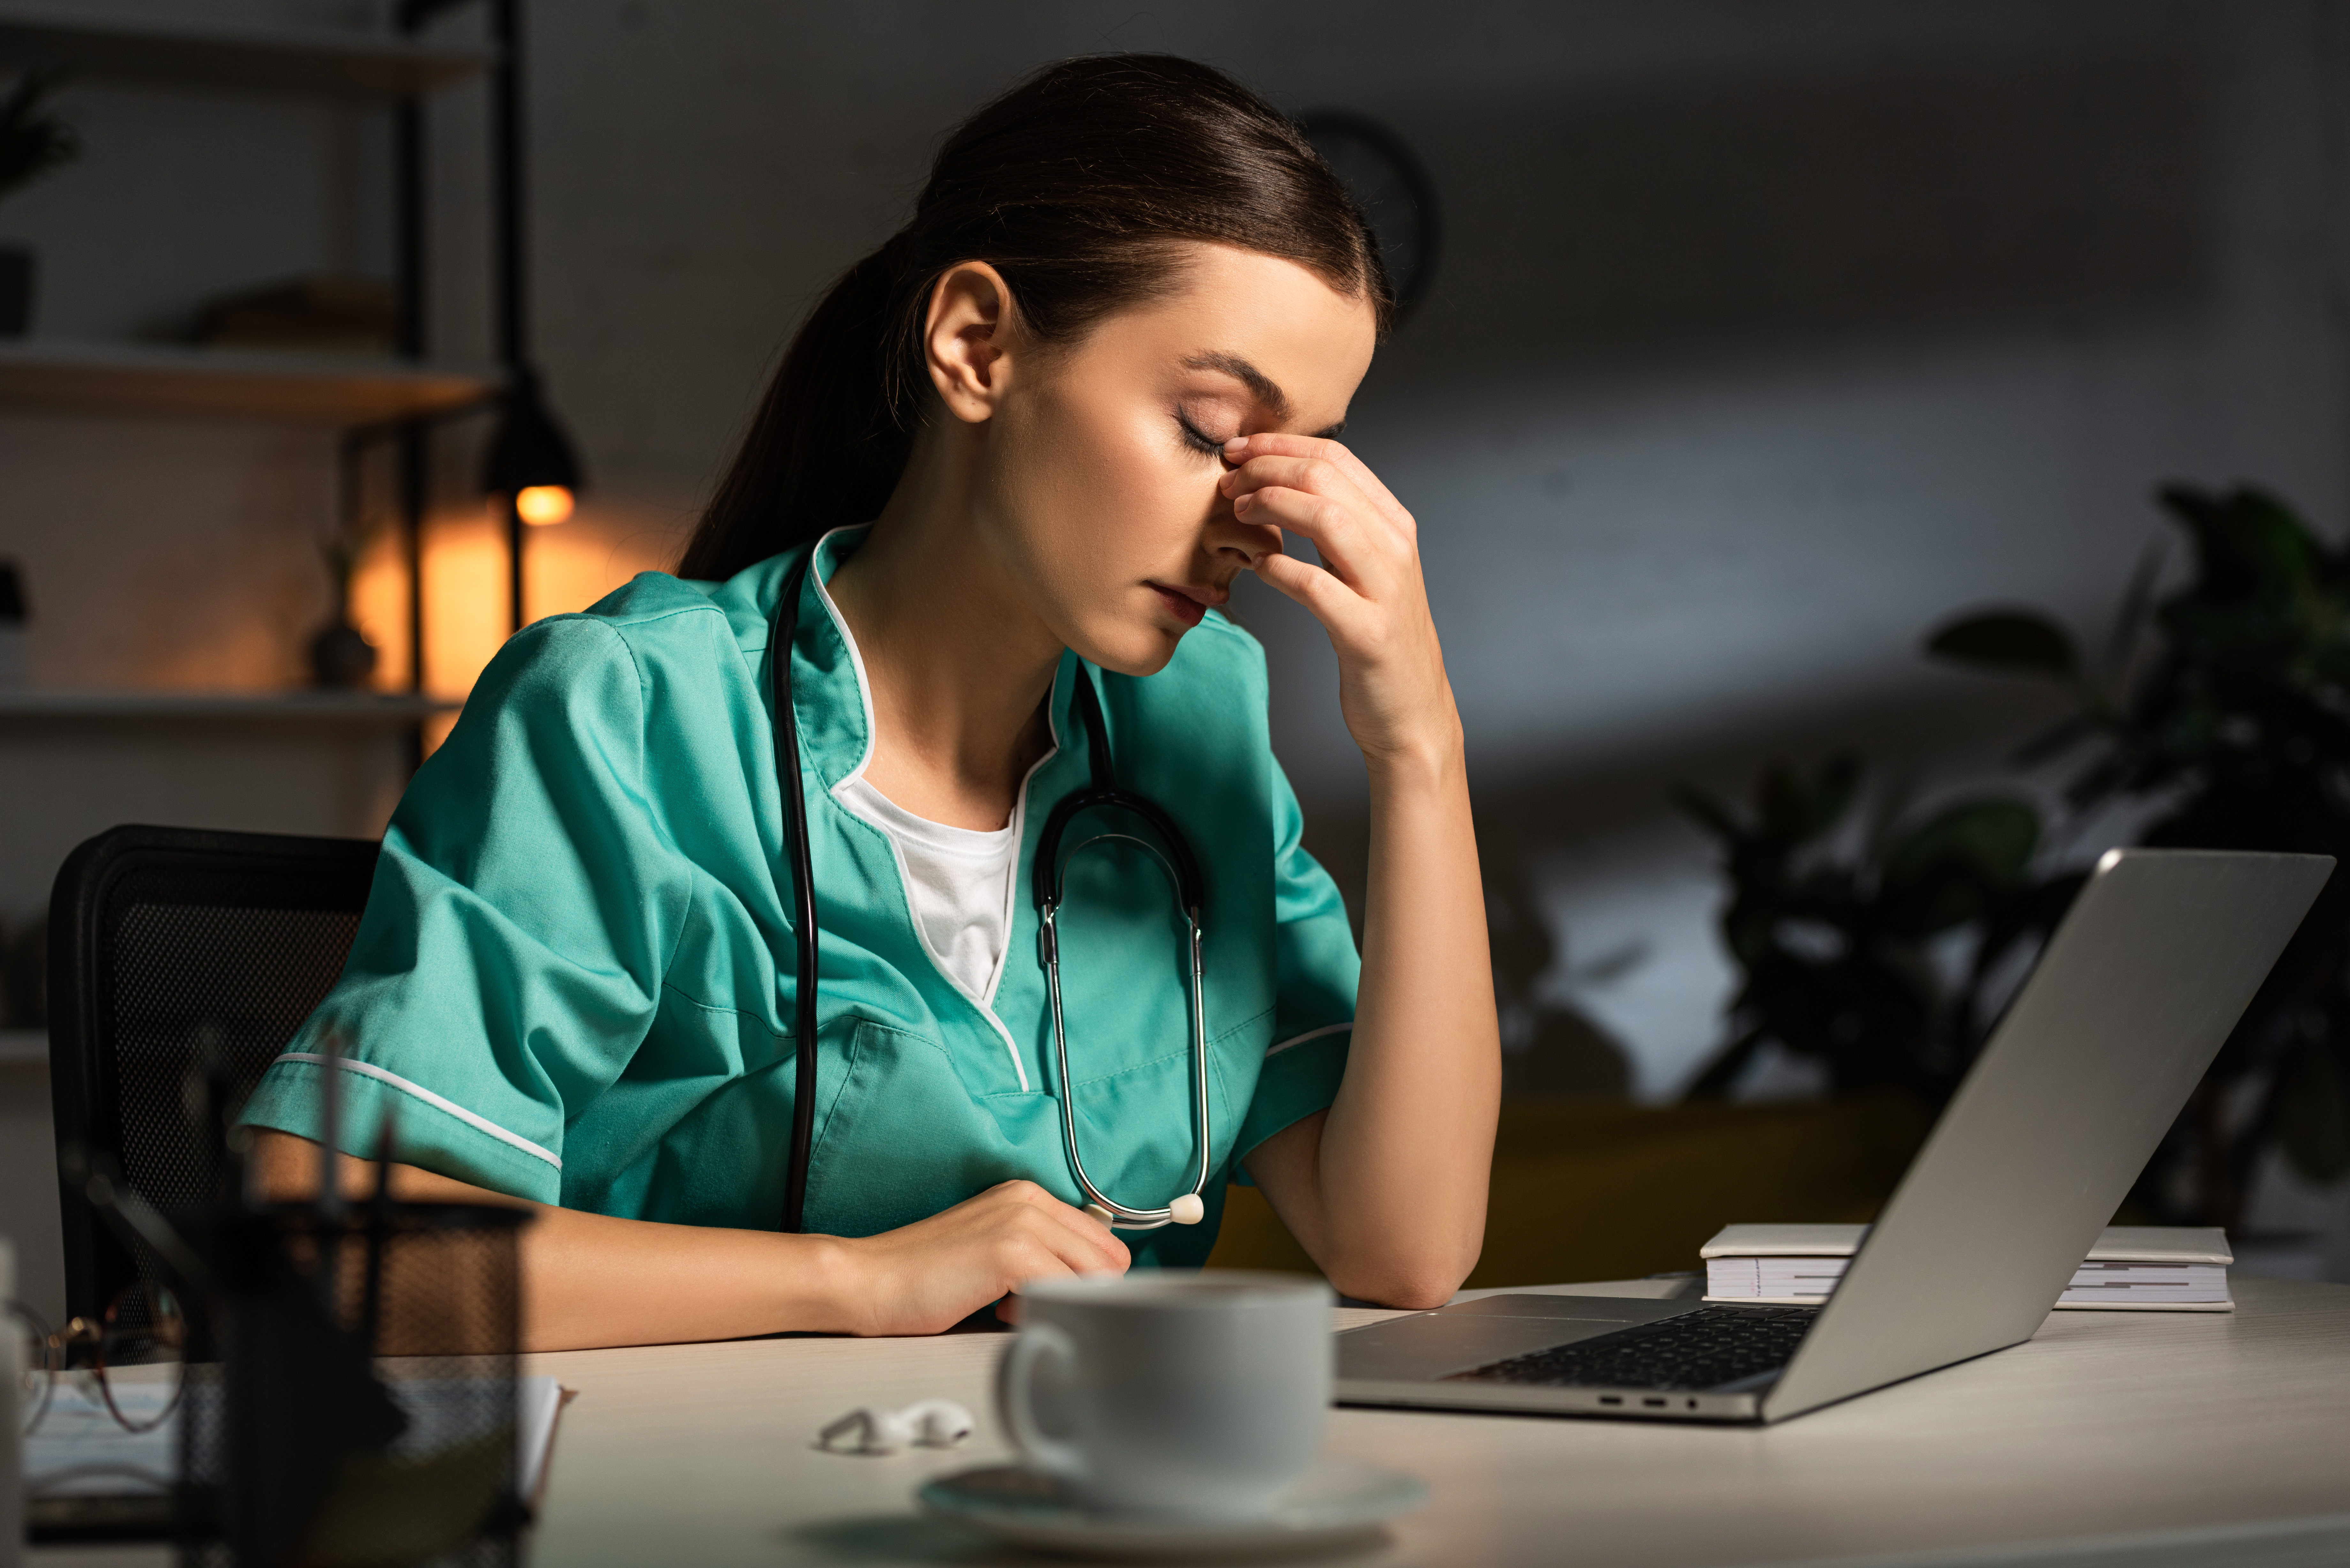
column 1262, row 387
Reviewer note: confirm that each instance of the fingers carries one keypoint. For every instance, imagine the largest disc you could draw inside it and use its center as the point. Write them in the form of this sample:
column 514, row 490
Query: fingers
column 1308, row 475
column 1071, row 1238
column 1244, row 452
column 1370, row 567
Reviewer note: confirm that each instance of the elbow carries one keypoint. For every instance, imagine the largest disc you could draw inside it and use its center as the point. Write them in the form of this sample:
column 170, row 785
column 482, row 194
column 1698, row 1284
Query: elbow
column 1412, row 1284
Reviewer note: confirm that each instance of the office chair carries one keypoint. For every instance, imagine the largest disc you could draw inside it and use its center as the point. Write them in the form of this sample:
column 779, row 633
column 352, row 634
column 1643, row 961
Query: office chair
column 170, row 948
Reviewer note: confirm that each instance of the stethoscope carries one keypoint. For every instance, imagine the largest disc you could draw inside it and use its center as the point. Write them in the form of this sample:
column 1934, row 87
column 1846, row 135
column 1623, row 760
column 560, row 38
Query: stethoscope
column 1176, row 859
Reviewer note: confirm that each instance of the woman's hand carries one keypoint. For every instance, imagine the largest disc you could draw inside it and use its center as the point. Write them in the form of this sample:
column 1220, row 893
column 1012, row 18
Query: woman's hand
column 1386, row 1191
column 1368, row 594
column 927, row 1277
column 594, row 1280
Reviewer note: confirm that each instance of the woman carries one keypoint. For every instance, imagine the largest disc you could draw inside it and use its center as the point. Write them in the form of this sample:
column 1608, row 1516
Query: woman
column 1004, row 475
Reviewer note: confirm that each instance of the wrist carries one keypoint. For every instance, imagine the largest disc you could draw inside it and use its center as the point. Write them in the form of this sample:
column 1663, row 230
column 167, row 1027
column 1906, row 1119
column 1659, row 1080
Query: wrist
column 1437, row 759
column 820, row 1284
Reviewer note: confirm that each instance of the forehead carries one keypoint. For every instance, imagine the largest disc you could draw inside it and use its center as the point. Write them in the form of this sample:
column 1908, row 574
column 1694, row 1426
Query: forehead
column 1312, row 341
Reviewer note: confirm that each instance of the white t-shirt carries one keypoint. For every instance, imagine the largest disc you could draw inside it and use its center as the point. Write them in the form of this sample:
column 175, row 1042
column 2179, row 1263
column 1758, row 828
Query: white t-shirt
column 958, row 880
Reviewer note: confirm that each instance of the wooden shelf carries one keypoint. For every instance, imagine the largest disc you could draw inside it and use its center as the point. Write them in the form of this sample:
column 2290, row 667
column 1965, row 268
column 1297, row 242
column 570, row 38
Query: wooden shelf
column 24, row 1048
column 351, row 708
column 242, row 59
column 206, row 383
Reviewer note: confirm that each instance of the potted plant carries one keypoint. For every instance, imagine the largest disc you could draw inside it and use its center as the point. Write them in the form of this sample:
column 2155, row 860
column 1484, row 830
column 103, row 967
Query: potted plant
column 1844, row 937
column 32, row 141
column 2232, row 728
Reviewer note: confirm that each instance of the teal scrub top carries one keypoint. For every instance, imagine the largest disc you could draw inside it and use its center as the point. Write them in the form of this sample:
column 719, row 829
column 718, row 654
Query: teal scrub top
column 573, row 980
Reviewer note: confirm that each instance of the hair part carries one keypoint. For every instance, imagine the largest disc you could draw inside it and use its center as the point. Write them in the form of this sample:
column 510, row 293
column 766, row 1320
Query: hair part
column 1079, row 187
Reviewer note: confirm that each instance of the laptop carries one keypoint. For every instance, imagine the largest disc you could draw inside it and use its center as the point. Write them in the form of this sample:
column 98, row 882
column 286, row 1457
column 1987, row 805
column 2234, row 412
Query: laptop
column 2131, row 999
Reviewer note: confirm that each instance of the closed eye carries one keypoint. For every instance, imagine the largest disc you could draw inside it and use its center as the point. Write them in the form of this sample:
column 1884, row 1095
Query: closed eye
column 1195, row 438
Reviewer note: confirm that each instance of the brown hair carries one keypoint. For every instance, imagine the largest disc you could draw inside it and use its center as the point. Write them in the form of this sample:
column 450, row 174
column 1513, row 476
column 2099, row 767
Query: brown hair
column 1071, row 185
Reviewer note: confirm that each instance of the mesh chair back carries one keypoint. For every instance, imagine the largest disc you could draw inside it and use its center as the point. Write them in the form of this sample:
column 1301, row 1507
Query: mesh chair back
column 172, row 949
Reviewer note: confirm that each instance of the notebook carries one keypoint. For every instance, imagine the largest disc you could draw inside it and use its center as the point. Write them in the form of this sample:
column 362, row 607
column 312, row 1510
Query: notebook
column 2133, row 1268
column 83, row 1469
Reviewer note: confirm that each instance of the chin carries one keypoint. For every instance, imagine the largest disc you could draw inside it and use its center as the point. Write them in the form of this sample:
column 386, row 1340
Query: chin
column 1135, row 650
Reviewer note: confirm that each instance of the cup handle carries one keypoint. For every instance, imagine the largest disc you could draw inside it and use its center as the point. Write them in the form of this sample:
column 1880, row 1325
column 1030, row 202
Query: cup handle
column 1015, row 1383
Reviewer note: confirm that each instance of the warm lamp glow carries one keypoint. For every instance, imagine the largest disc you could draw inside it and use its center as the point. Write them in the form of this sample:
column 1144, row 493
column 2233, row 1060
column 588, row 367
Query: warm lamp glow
column 544, row 506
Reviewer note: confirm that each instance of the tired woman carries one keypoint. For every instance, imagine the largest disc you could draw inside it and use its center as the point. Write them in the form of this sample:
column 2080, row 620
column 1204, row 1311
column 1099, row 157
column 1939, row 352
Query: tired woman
column 1073, row 972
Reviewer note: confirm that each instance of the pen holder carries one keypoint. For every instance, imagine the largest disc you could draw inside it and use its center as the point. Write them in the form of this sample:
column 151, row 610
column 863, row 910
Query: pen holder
column 354, row 1404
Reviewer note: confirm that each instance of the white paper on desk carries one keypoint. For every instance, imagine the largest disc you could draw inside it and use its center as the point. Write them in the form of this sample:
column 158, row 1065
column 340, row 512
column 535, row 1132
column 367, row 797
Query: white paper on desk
column 81, row 1449
column 2115, row 1244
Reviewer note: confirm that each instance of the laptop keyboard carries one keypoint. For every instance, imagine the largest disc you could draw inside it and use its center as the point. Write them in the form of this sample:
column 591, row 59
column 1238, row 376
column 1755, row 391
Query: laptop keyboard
column 1697, row 1350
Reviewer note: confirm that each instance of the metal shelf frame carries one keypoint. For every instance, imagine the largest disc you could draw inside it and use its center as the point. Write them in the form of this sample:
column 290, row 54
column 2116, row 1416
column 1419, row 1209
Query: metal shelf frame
column 189, row 53
column 397, row 71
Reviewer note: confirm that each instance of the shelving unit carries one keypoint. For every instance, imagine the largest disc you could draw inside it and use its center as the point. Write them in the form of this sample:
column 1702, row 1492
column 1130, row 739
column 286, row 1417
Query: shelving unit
column 240, row 58
column 388, row 71
column 352, row 708
column 204, row 383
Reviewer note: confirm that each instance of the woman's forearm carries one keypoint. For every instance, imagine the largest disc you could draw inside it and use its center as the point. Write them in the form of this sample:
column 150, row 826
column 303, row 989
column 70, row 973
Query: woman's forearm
column 591, row 1280
column 594, row 1280
column 1388, row 1191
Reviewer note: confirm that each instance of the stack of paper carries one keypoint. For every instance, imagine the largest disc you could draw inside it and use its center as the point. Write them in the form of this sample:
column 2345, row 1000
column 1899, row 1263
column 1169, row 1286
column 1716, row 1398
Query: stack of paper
column 80, row 1451
column 2139, row 1267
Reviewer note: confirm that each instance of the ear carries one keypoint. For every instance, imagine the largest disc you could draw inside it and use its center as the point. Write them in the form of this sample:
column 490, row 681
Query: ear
column 967, row 339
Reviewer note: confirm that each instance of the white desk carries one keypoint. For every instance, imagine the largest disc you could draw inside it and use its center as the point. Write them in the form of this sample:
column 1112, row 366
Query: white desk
column 2228, row 1434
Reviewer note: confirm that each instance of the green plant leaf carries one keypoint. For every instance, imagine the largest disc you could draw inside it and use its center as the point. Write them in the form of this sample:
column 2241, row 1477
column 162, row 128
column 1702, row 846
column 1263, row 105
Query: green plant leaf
column 1797, row 807
column 2015, row 641
column 33, row 142
column 1952, row 866
column 1709, row 813
column 2248, row 544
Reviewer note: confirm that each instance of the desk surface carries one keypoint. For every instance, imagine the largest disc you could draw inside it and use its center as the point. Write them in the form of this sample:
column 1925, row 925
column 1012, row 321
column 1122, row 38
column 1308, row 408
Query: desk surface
column 2105, row 1424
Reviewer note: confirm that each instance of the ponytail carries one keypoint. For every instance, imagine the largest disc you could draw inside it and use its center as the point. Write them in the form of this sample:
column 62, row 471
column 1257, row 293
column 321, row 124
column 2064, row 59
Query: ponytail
column 1072, row 185
column 826, row 447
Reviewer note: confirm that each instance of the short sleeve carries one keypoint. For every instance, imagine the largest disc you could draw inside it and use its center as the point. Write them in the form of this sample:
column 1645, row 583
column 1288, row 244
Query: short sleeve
column 509, row 960
column 1314, row 1000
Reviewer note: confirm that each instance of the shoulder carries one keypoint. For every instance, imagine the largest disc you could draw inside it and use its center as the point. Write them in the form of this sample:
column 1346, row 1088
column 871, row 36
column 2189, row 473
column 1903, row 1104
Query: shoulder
column 655, row 651
column 654, row 623
column 1217, row 651
column 1211, row 697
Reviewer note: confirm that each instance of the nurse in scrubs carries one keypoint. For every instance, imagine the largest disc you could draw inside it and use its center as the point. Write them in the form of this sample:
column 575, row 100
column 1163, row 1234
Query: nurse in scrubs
column 1026, row 446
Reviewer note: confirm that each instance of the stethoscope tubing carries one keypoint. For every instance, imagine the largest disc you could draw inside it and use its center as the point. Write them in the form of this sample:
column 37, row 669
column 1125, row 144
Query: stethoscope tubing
column 795, row 848
column 1119, row 1215
column 1182, row 871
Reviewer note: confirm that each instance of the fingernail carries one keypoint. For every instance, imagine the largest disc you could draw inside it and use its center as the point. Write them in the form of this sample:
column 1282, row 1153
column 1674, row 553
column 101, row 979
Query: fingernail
column 1241, row 504
column 1237, row 443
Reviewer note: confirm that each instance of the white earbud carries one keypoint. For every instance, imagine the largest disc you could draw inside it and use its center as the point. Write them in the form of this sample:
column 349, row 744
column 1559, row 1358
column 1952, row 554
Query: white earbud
column 932, row 1424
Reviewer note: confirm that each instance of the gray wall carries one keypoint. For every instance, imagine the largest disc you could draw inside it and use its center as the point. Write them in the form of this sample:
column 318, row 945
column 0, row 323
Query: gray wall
column 1767, row 335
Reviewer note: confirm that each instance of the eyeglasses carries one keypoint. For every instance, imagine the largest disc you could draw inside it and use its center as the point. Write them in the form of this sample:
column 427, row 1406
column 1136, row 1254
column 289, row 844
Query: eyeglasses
column 133, row 1353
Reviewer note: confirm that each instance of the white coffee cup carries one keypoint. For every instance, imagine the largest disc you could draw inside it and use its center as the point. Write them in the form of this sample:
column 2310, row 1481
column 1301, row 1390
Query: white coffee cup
column 1168, row 1391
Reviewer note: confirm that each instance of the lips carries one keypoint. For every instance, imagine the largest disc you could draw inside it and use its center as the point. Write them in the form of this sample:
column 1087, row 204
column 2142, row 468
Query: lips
column 1187, row 605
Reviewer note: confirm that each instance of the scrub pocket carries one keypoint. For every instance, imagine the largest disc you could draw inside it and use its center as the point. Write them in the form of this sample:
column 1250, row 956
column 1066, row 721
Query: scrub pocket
column 905, row 1138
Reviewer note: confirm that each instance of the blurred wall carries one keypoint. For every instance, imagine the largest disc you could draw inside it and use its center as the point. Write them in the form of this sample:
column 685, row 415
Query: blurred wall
column 1766, row 336
column 1767, row 333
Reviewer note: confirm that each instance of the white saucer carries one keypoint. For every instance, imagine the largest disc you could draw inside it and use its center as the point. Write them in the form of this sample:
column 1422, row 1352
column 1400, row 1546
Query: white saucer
column 1333, row 1503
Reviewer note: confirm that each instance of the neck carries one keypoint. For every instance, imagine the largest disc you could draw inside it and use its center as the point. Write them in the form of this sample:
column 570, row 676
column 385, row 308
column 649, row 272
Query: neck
column 960, row 667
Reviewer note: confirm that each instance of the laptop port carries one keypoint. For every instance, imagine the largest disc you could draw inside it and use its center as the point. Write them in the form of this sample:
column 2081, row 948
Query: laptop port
column 1692, row 1404
column 1655, row 1404
column 1611, row 1399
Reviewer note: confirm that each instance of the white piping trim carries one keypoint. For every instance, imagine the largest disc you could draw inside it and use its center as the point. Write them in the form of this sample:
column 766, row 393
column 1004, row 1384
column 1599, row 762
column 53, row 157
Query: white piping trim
column 480, row 1124
column 856, row 660
column 1309, row 1034
column 905, row 880
column 986, row 1005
